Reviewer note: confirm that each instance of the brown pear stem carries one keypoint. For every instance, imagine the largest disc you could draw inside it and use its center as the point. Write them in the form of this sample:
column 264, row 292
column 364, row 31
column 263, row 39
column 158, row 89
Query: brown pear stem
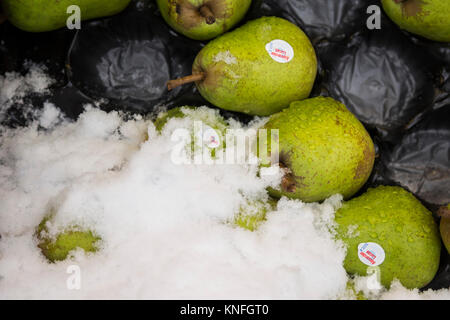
column 2, row 18
column 206, row 12
column 444, row 212
column 172, row 84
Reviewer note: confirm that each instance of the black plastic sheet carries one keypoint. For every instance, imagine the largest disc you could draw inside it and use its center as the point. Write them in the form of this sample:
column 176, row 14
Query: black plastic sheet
column 320, row 19
column 48, row 49
column 420, row 161
column 130, row 63
column 382, row 77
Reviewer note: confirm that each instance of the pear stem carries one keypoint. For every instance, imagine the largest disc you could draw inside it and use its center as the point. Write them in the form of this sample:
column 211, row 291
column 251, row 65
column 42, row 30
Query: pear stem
column 2, row 18
column 444, row 212
column 206, row 12
column 172, row 84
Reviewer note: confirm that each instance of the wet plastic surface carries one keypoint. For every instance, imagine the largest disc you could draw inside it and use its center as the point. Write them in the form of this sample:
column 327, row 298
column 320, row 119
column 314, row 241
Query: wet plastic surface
column 320, row 19
column 382, row 77
column 420, row 161
column 132, row 60
column 397, row 84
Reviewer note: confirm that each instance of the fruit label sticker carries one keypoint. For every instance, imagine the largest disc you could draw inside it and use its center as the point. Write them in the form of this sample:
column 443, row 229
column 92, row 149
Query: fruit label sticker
column 371, row 253
column 211, row 138
column 280, row 51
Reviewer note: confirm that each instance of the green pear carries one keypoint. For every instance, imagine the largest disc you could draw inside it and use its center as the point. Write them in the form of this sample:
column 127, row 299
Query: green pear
column 252, row 213
column 47, row 15
column 58, row 247
column 203, row 19
column 427, row 18
column 389, row 230
column 444, row 212
column 323, row 150
column 258, row 69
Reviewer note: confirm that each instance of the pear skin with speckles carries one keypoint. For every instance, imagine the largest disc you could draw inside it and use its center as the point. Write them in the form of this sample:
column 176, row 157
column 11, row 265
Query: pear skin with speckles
column 395, row 220
column 257, row 69
column 444, row 212
column 323, row 149
column 47, row 15
column 427, row 18
column 203, row 19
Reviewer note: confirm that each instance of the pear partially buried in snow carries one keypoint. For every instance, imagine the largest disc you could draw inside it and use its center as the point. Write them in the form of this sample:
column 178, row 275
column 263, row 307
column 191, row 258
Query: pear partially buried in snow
column 253, row 213
column 388, row 229
column 258, row 69
column 323, row 150
column 57, row 247
column 203, row 19
column 207, row 127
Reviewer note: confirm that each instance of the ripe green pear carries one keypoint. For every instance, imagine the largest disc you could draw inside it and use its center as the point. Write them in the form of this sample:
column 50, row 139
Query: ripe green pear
column 392, row 219
column 57, row 247
column 203, row 19
column 47, row 15
column 445, row 226
column 323, row 150
column 427, row 18
column 258, row 69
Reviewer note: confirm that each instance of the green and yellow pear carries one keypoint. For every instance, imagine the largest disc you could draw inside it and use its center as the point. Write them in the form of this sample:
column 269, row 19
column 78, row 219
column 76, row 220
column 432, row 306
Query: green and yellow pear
column 388, row 231
column 427, row 18
column 203, row 19
column 258, row 69
column 47, row 15
column 58, row 246
column 323, row 150
column 444, row 212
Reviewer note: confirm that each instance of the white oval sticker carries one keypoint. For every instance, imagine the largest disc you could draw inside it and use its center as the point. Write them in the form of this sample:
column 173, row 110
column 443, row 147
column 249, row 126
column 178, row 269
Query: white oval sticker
column 371, row 253
column 211, row 138
column 280, row 51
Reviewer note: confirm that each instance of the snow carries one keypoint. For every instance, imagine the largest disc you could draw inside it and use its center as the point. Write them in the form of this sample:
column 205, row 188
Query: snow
column 225, row 56
column 165, row 227
column 13, row 86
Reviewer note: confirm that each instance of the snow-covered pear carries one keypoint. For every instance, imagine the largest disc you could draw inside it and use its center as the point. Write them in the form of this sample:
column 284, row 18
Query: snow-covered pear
column 258, row 69
column 56, row 246
column 206, row 126
column 427, row 18
column 323, row 150
column 203, row 19
column 252, row 213
column 390, row 232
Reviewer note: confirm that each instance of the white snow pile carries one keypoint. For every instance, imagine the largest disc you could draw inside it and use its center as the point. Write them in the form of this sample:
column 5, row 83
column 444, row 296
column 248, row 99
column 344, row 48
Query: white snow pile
column 13, row 86
column 163, row 225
